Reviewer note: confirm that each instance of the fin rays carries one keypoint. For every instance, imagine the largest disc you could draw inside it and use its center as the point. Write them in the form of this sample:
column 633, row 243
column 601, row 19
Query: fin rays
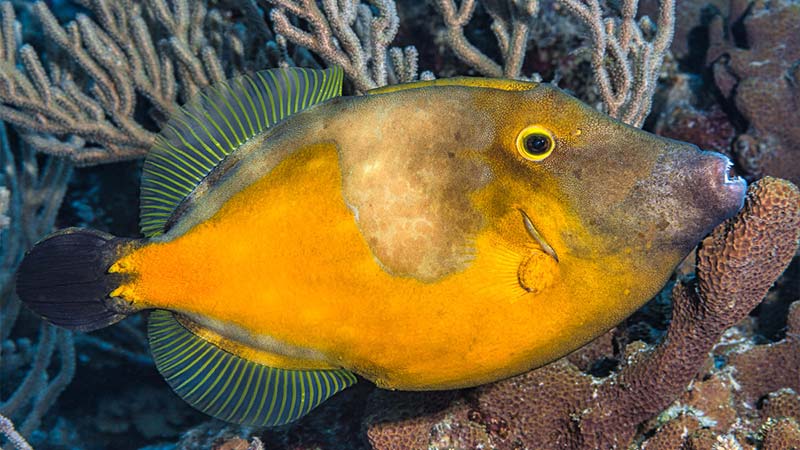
column 232, row 388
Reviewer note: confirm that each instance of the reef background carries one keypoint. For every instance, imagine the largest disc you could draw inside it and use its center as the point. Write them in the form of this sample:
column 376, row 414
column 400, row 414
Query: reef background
column 731, row 83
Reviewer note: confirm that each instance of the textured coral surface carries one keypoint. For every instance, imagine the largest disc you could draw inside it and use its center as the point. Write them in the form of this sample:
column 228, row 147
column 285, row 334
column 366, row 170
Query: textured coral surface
column 756, row 65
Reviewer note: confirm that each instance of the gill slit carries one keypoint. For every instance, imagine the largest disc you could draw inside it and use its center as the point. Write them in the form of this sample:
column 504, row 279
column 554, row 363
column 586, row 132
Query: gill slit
column 536, row 236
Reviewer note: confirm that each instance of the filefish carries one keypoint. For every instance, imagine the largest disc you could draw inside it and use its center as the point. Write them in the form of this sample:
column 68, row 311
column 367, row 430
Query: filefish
column 432, row 235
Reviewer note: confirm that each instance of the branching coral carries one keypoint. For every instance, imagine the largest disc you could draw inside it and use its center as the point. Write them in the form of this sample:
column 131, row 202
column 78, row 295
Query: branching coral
column 82, row 103
column 626, row 62
column 7, row 430
column 35, row 195
column 348, row 34
column 511, row 26
column 751, row 399
column 558, row 406
column 626, row 54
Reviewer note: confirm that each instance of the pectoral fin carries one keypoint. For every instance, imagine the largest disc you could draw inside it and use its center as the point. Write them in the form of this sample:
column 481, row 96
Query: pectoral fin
column 232, row 388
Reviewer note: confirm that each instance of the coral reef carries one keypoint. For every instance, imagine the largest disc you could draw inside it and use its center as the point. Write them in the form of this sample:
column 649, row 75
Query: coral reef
column 626, row 55
column 35, row 189
column 91, row 81
column 751, row 54
column 709, row 128
column 218, row 436
column 83, row 104
column 349, row 35
column 755, row 58
column 744, row 399
column 626, row 62
column 510, row 24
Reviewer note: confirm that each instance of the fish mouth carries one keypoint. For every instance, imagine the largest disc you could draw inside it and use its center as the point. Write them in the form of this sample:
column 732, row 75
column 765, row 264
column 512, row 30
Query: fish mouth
column 730, row 177
column 534, row 233
column 732, row 187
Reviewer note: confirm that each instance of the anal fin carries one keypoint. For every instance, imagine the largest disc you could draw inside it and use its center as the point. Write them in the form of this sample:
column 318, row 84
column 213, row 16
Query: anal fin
column 232, row 388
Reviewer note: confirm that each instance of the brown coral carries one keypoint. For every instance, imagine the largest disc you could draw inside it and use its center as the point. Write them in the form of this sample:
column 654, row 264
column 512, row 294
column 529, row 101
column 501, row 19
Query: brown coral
column 782, row 403
column 406, row 425
column 735, row 402
column 767, row 368
column 673, row 434
column 558, row 406
column 713, row 398
column 757, row 69
column 783, row 434
column 710, row 130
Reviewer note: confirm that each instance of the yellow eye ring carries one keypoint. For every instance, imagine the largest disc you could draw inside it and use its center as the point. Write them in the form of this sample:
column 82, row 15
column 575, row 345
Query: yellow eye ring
column 535, row 143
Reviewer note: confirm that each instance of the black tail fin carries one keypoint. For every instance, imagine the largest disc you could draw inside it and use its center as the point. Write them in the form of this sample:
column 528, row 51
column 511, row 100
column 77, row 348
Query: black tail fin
column 64, row 279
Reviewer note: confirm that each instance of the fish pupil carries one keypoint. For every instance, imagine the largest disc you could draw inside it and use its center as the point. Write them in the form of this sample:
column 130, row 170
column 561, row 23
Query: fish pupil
column 537, row 143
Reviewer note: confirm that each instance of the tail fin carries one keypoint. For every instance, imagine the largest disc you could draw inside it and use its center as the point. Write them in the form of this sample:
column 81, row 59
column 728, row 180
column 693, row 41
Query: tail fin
column 64, row 279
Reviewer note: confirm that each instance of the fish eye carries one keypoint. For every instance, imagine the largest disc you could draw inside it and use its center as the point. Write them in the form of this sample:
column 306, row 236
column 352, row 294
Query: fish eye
column 535, row 143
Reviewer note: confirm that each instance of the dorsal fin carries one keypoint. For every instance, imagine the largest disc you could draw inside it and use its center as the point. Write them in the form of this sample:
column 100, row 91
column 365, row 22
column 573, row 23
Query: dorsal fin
column 502, row 84
column 215, row 123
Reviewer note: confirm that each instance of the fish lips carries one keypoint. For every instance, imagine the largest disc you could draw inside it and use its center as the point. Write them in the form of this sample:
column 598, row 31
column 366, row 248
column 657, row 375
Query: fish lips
column 727, row 191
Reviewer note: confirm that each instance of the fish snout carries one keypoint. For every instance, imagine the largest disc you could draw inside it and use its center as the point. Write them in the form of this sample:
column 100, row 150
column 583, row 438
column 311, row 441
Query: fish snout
column 702, row 191
column 725, row 191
